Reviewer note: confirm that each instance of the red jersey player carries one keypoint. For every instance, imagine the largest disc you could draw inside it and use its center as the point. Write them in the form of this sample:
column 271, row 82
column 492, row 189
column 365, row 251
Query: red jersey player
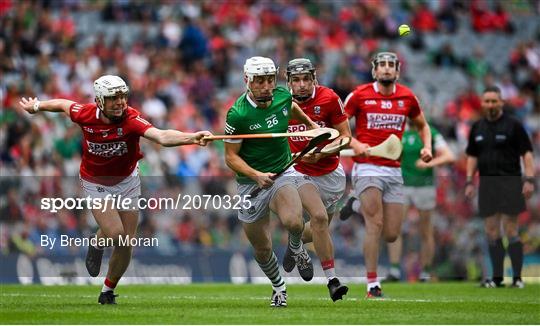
column 111, row 131
column 320, row 177
column 381, row 109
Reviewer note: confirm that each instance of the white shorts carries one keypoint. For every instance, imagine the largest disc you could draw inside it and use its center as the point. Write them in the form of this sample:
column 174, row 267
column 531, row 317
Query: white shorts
column 130, row 187
column 423, row 198
column 385, row 178
column 331, row 186
column 260, row 205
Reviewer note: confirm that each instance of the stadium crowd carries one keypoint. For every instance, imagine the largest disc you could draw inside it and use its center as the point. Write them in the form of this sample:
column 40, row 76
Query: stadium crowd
column 183, row 63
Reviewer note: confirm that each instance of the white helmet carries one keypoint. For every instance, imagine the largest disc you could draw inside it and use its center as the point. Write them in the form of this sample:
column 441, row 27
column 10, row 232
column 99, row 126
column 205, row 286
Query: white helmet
column 109, row 85
column 259, row 66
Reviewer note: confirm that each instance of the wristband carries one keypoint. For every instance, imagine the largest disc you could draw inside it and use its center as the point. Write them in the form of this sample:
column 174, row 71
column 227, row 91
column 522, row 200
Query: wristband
column 36, row 106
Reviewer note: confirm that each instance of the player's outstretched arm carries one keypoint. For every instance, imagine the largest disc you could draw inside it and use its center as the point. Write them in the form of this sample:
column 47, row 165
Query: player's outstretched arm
column 170, row 138
column 33, row 105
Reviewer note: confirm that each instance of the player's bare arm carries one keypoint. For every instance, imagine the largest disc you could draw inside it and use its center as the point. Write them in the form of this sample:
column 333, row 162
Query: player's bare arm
column 528, row 167
column 472, row 163
column 298, row 114
column 169, row 138
column 33, row 105
column 426, row 154
column 238, row 165
column 359, row 148
column 443, row 155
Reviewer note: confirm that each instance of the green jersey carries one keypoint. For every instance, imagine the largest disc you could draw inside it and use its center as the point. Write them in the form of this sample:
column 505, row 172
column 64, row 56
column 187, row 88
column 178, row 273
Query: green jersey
column 244, row 117
column 412, row 145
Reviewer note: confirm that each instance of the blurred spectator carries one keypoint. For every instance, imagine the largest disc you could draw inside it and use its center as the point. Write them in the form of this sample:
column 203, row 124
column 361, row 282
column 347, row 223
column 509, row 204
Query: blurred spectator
column 423, row 19
column 445, row 57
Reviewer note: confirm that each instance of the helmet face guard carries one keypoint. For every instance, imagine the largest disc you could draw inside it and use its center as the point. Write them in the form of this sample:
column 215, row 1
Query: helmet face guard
column 300, row 66
column 260, row 66
column 384, row 57
column 109, row 86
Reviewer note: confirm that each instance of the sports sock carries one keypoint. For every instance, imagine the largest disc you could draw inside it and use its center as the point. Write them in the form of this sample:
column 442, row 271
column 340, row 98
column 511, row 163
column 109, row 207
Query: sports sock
column 271, row 270
column 328, row 268
column 515, row 251
column 356, row 206
column 295, row 242
column 372, row 280
column 496, row 253
column 371, row 277
column 108, row 285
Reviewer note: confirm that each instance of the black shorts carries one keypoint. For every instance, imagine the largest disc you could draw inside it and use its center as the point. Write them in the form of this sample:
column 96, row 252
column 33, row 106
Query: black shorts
column 500, row 194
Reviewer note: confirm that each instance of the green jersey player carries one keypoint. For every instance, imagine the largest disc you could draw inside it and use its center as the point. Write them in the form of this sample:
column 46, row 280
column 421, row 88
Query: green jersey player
column 419, row 190
column 265, row 108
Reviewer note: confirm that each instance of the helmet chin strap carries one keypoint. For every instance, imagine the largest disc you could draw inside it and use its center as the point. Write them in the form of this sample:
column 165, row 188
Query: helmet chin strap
column 386, row 82
column 261, row 99
column 301, row 98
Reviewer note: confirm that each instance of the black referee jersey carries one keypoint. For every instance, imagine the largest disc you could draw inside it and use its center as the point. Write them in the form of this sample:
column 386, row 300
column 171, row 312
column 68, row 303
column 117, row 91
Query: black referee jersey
column 498, row 146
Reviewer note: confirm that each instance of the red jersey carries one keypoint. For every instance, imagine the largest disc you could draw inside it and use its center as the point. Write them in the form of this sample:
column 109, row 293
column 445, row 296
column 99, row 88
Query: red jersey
column 325, row 108
column 110, row 151
column 378, row 116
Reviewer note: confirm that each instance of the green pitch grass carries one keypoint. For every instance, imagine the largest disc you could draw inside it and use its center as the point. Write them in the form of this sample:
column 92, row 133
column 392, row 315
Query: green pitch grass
column 436, row 303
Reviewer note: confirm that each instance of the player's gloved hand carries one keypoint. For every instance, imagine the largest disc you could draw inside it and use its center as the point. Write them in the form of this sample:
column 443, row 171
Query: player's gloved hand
column 198, row 137
column 29, row 104
column 264, row 180
column 312, row 157
column 426, row 155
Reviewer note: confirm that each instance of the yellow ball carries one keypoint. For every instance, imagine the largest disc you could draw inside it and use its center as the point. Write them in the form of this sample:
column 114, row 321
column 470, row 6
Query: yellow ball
column 404, row 30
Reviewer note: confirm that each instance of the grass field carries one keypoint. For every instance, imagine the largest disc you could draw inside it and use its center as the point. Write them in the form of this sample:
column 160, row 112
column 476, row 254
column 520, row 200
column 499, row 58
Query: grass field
column 437, row 303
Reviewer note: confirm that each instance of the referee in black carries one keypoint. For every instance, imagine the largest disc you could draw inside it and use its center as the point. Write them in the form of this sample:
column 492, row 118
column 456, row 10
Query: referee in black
column 496, row 143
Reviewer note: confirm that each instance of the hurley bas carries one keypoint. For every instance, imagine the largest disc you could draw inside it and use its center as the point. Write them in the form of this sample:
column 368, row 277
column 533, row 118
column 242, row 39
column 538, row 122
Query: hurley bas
column 123, row 240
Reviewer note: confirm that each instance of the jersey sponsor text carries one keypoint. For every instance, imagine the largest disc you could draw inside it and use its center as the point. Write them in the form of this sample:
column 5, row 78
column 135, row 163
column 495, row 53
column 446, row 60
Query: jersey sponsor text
column 385, row 121
column 107, row 149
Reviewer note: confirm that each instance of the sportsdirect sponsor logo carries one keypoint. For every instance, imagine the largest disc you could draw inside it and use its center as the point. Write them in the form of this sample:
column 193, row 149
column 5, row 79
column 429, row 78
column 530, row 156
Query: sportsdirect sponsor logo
column 385, row 121
column 303, row 127
column 297, row 128
column 108, row 149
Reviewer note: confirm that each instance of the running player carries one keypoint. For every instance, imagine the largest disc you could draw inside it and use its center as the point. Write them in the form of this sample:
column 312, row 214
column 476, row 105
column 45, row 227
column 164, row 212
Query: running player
column 419, row 191
column 381, row 109
column 265, row 108
column 111, row 131
column 320, row 177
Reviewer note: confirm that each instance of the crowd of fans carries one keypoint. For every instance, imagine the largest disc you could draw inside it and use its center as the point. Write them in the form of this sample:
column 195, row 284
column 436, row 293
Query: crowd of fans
column 183, row 63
